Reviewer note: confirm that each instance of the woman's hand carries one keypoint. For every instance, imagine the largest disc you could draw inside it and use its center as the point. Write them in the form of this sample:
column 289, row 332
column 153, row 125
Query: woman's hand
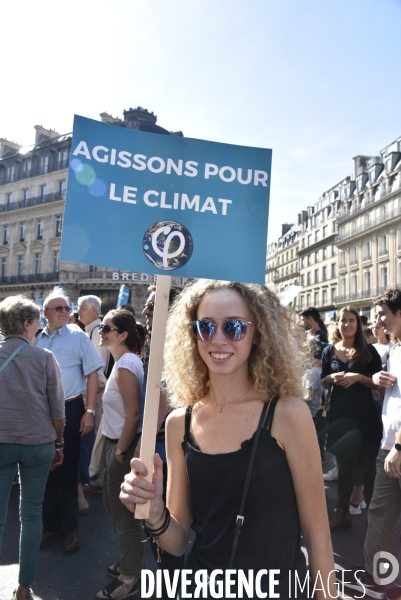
column 336, row 378
column 345, row 380
column 57, row 460
column 136, row 490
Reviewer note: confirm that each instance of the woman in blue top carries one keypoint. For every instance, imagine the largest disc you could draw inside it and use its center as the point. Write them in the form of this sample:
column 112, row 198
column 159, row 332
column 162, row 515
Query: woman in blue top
column 355, row 426
column 230, row 355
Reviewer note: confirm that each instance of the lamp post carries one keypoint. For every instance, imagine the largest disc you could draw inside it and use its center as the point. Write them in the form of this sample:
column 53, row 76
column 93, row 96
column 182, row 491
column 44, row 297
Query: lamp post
column 32, row 292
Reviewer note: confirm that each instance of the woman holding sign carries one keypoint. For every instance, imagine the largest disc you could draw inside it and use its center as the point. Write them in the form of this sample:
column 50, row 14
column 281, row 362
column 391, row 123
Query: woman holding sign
column 232, row 373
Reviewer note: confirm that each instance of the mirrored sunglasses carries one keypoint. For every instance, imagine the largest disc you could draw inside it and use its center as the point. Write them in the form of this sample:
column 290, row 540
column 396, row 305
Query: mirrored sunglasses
column 234, row 329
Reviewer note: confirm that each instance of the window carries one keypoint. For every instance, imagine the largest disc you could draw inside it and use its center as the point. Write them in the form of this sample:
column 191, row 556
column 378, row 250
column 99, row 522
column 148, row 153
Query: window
column 62, row 186
column 20, row 265
column 325, row 252
column 316, row 299
column 382, row 245
column 333, row 250
column 309, row 239
column 10, row 173
column 26, row 195
column 354, row 283
column 43, row 191
column 39, row 230
column 62, row 159
column 325, row 231
column 316, row 275
column 309, row 259
column 27, row 167
column 366, row 251
column 9, row 198
column 292, row 253
column 343, row 287
column 333, row 269
column 353, row 255
column 317, row 235
column 366, row 280
column 56, row 261
column 308, row 297
column 22, row 232
column 342, row 259
column 5, row 234
column 3, row 267
column 303, row 259
column 37, row 262
column 44, row 164
column 324, row 297
column 302, row 281
column 308, row 278
column 383, row 277
column 59, row 226
column 333, row 294
column 317, row 256
column 324, row 273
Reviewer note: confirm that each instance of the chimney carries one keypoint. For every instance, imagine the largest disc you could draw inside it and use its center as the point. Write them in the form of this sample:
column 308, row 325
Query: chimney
column 6, row 146
column 286, row 227
column 44, row 134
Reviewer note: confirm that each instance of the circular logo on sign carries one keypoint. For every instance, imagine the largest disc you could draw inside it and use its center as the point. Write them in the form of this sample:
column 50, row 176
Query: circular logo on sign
column 168, row 245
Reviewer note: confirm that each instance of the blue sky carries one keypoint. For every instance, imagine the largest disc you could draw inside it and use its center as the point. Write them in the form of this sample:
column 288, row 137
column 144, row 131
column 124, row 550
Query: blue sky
column 318, row 82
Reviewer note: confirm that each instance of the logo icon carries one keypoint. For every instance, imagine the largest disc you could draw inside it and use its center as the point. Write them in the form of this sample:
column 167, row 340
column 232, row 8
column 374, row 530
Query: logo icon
column 168, row 245
column 381, row 568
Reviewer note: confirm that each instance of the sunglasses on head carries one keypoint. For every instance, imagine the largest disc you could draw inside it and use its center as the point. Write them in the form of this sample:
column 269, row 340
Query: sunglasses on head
column 149, row 306
column 234, row 329
column 59, row 309
column 106, row 328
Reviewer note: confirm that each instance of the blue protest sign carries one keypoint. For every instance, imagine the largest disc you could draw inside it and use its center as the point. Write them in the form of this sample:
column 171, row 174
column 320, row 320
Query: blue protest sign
column 122, row 296
column 165, row 204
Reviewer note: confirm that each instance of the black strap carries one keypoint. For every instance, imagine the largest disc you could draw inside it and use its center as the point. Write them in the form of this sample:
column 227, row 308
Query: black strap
column 240, row 517
column 91, row 333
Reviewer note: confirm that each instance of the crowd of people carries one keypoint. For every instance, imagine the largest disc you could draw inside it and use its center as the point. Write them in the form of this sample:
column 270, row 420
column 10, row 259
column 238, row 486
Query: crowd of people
column 251, row 400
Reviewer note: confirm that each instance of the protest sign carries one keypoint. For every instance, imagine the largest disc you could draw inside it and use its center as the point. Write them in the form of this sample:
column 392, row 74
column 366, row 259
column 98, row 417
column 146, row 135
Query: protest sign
column 163, row 204
column 290, row 292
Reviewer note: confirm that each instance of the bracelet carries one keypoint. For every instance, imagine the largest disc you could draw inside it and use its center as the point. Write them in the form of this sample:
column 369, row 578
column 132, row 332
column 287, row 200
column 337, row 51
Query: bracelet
column 149, row 525
column 59, row 449
column 156, row 533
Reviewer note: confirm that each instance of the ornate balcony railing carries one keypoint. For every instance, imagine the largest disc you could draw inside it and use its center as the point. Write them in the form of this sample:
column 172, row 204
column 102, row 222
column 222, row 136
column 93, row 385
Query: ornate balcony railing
column 41, row 170
column 32, row 201
column 33, row 277
column 396, row 212
column 361, row 295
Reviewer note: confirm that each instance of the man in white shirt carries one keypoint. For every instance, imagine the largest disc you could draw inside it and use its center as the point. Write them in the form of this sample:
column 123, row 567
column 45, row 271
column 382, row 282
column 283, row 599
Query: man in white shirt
column 89, row 308
column 385, row 507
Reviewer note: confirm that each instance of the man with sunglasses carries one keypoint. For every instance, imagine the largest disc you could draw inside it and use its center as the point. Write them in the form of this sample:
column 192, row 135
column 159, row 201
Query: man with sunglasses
column 79, row 363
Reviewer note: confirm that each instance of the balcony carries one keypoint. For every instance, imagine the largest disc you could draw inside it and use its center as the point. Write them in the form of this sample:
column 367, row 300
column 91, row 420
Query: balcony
column 362, row 295
column 372, row 224
column 42, row 170
column 32, row 201
column 34, row 277
column 345, row 214
column 383, row 252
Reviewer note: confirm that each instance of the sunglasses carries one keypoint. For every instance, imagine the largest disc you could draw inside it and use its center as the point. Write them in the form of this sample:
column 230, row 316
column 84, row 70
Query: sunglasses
column 234, row 329
column 149, row 306
column 59, row 309
column 106, row 328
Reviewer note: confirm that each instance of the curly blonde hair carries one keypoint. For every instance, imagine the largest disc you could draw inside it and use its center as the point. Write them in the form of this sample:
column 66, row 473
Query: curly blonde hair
column 275, row 362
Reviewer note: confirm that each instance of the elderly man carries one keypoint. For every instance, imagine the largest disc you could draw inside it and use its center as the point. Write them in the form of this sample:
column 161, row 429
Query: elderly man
column 89, row 313
column 79, row 363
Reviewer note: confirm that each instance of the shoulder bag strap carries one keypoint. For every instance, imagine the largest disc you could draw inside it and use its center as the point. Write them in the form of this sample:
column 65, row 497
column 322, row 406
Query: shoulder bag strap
column 240, row 517
column 13, row 355
column 91, row 333
column 326, row 404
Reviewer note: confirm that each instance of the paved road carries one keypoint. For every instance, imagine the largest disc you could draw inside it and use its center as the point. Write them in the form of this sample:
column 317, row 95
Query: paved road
column 79, row 576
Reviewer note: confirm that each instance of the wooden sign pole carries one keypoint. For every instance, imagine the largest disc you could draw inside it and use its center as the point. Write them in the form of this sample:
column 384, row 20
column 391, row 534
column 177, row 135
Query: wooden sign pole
column 153, row 383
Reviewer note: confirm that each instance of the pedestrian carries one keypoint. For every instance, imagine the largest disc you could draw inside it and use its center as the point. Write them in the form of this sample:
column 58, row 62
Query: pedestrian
column 89, row 308
column 314, row 325
column 79, row 363
column 231, row 368
column 31, row 426
column 385, row 507
column 124, row 338
column 383, row 344
column 355, row 428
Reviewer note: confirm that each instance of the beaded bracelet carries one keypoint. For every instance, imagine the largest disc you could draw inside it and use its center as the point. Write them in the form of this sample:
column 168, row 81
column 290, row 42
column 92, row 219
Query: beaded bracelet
column 149, row 526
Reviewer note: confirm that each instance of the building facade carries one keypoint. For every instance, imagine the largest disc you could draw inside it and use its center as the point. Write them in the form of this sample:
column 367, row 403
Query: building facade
column 349, row 247
column 33, row 183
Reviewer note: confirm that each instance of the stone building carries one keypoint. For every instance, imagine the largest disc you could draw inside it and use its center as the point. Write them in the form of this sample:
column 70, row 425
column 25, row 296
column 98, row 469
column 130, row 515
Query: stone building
column 349, row 242
column 282, row 262
column 33, row 184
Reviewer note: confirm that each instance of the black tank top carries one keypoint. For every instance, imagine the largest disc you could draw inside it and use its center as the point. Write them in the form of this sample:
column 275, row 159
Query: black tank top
column 271, row 537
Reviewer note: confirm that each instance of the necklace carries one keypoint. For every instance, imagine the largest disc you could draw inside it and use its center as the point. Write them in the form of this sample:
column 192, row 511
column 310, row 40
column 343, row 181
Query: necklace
column 221, row 406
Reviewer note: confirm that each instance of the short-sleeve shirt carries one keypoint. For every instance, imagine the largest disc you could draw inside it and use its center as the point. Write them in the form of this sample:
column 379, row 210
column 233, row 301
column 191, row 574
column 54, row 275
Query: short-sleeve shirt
column 75, row 355
column 391, row 415
column 114, row 409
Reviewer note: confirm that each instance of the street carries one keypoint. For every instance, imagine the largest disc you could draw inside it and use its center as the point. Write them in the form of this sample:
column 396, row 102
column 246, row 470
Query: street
column 80, row 575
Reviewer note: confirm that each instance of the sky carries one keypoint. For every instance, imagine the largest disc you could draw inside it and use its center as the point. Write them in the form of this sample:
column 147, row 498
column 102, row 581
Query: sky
column 318, row 82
